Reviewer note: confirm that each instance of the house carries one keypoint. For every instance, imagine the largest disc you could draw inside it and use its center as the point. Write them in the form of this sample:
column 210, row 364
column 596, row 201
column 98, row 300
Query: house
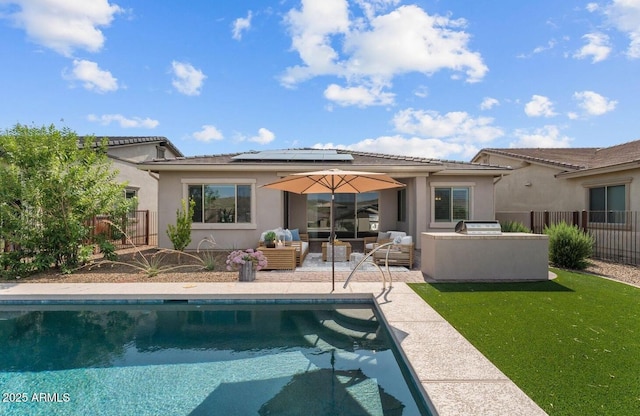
column 567, row 179
column 125, row 154
column 595, row 188
column 232, row 206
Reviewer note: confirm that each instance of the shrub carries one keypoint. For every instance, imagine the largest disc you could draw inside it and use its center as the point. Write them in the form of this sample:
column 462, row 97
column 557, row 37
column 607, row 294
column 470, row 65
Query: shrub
column 568, row 246
column 180, row 234
column 514, row 227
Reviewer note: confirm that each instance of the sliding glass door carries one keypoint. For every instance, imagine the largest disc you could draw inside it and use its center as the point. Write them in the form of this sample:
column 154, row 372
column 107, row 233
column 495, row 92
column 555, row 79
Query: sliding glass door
column 356, row 215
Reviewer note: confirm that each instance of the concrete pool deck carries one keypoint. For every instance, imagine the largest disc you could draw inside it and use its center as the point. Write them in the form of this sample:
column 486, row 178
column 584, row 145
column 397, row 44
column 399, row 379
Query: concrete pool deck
column 456, row 377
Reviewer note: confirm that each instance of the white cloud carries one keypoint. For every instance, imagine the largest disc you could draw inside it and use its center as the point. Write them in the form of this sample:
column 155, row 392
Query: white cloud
column 625, row 16
column 592, row 7
column 547, row 136
column 371, row 7
column 378, row 47
column 187, row 79
column 488, row 103
column 539, row 106
column 414, row 146
column 64, row 25
column 264, row 136
column 92, row 77
column 597, row 47
column 241, row 24
column 208, row 133
column 593, row 103
column 359, row 96
column 124, row 122
column 539, row 49
column 455, row 126
column 422, row 91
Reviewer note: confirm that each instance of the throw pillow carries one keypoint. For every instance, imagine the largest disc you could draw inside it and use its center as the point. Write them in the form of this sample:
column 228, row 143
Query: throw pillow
column 295, row 234
column 383, row 237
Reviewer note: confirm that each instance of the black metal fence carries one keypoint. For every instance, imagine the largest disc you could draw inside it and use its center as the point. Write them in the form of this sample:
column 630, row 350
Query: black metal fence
column 616, row 233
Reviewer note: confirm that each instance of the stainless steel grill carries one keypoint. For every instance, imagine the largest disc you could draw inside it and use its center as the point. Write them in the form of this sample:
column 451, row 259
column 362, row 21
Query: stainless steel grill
column 490, row 227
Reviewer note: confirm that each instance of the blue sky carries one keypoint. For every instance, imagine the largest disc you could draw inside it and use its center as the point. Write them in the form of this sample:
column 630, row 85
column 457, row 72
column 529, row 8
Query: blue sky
column 439, row 79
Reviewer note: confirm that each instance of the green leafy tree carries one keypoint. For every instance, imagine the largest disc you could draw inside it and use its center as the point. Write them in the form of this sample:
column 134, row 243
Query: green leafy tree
column 53, row 184
column 180, row 234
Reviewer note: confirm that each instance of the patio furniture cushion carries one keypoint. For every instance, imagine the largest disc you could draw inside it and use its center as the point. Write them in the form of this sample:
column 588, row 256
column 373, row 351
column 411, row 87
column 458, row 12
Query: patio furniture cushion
column 399, row 254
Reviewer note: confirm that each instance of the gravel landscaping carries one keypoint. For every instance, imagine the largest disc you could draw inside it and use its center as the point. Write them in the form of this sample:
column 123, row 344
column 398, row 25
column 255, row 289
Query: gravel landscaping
column 190, row 271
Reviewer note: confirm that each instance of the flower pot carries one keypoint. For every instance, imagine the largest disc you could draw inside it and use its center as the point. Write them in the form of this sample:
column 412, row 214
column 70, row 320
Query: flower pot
column 270, row 244
column 246, row 272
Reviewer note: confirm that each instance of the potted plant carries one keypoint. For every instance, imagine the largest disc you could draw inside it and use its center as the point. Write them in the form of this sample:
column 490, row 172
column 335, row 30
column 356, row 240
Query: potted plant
column 270, row 239
column 246, row 262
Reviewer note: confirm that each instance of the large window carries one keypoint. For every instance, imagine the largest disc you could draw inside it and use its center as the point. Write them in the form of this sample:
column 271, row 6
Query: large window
column 221, row 203
column 355, row 215
column 451, row 204
column 607, row 204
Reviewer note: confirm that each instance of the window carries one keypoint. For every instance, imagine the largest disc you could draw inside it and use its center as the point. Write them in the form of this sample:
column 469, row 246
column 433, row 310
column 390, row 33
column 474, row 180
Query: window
column 451, row 204
column 607, row 204
column 221, row 203
column 130, row 193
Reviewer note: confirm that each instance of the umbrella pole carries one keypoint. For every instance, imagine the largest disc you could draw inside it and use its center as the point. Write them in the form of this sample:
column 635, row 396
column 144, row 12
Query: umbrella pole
column 332, row 239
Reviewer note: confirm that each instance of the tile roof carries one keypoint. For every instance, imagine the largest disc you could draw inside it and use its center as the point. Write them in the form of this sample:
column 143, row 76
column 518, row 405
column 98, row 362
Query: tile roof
column 115, row 141
column 359, row 159
column 575, row 159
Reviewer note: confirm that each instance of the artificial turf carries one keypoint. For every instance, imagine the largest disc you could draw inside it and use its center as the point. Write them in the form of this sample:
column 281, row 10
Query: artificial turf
column 572, row 344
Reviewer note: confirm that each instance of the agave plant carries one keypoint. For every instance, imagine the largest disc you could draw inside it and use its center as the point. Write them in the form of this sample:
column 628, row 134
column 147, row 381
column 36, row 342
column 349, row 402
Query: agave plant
column 152, row 264
column 208, row 257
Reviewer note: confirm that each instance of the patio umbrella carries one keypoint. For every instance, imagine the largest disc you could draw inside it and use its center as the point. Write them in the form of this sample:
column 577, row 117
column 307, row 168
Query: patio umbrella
column 334, row 181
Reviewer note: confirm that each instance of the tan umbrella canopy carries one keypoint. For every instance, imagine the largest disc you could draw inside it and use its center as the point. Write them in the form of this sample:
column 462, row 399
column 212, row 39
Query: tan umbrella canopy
column 334, row 181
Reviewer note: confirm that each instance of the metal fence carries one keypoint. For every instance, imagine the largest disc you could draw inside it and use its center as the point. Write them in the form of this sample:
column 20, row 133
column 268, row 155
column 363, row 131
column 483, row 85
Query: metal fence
column 139, row 228
column 616, row 233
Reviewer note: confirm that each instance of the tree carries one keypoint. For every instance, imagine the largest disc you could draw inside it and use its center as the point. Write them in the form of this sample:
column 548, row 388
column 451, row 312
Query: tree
column 53, row 184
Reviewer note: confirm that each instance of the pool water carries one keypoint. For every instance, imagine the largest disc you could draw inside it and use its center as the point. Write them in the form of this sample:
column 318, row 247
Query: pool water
column 200, row 360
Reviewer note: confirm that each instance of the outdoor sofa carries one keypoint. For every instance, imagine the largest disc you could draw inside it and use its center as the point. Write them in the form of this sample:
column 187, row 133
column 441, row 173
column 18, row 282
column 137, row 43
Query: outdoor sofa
column 400, row 254
column 279, row 259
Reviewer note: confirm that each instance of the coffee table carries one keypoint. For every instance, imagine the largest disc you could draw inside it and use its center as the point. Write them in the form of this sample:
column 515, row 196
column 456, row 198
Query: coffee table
column 342, row 251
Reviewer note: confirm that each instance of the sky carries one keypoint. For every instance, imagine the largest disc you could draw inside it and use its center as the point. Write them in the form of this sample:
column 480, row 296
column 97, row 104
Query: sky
column 436, row 78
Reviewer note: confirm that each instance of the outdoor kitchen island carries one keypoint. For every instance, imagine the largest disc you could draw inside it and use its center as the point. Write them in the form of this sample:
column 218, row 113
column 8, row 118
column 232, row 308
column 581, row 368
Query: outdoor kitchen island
column 456, row 256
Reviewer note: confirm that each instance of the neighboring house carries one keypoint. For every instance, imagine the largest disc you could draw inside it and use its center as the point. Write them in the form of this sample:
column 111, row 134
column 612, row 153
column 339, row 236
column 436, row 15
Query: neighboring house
column 125, row 154
column 232, row 206
column 567, row 179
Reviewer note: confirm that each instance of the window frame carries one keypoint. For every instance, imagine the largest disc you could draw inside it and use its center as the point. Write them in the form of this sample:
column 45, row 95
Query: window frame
column 470, row 186
column 590, row 186
column 186, row 182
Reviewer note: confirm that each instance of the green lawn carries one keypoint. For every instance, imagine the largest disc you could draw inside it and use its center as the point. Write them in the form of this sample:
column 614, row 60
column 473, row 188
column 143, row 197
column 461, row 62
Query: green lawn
column 572, row 344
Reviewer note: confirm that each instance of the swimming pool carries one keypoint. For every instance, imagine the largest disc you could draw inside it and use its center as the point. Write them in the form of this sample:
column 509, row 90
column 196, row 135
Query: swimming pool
column 197, row 359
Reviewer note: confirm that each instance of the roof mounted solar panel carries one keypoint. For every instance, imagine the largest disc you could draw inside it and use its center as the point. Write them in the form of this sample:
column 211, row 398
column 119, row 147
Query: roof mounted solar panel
column 302, row 155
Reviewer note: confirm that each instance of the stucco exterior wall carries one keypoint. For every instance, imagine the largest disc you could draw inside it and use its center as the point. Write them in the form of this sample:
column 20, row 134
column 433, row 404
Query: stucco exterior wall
column 510, row 256
column 268, row 212
column 124, row 159
column 629, row 177
column 482, row 199
column 270, row 207
column 144, row 183
column 534, row 187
